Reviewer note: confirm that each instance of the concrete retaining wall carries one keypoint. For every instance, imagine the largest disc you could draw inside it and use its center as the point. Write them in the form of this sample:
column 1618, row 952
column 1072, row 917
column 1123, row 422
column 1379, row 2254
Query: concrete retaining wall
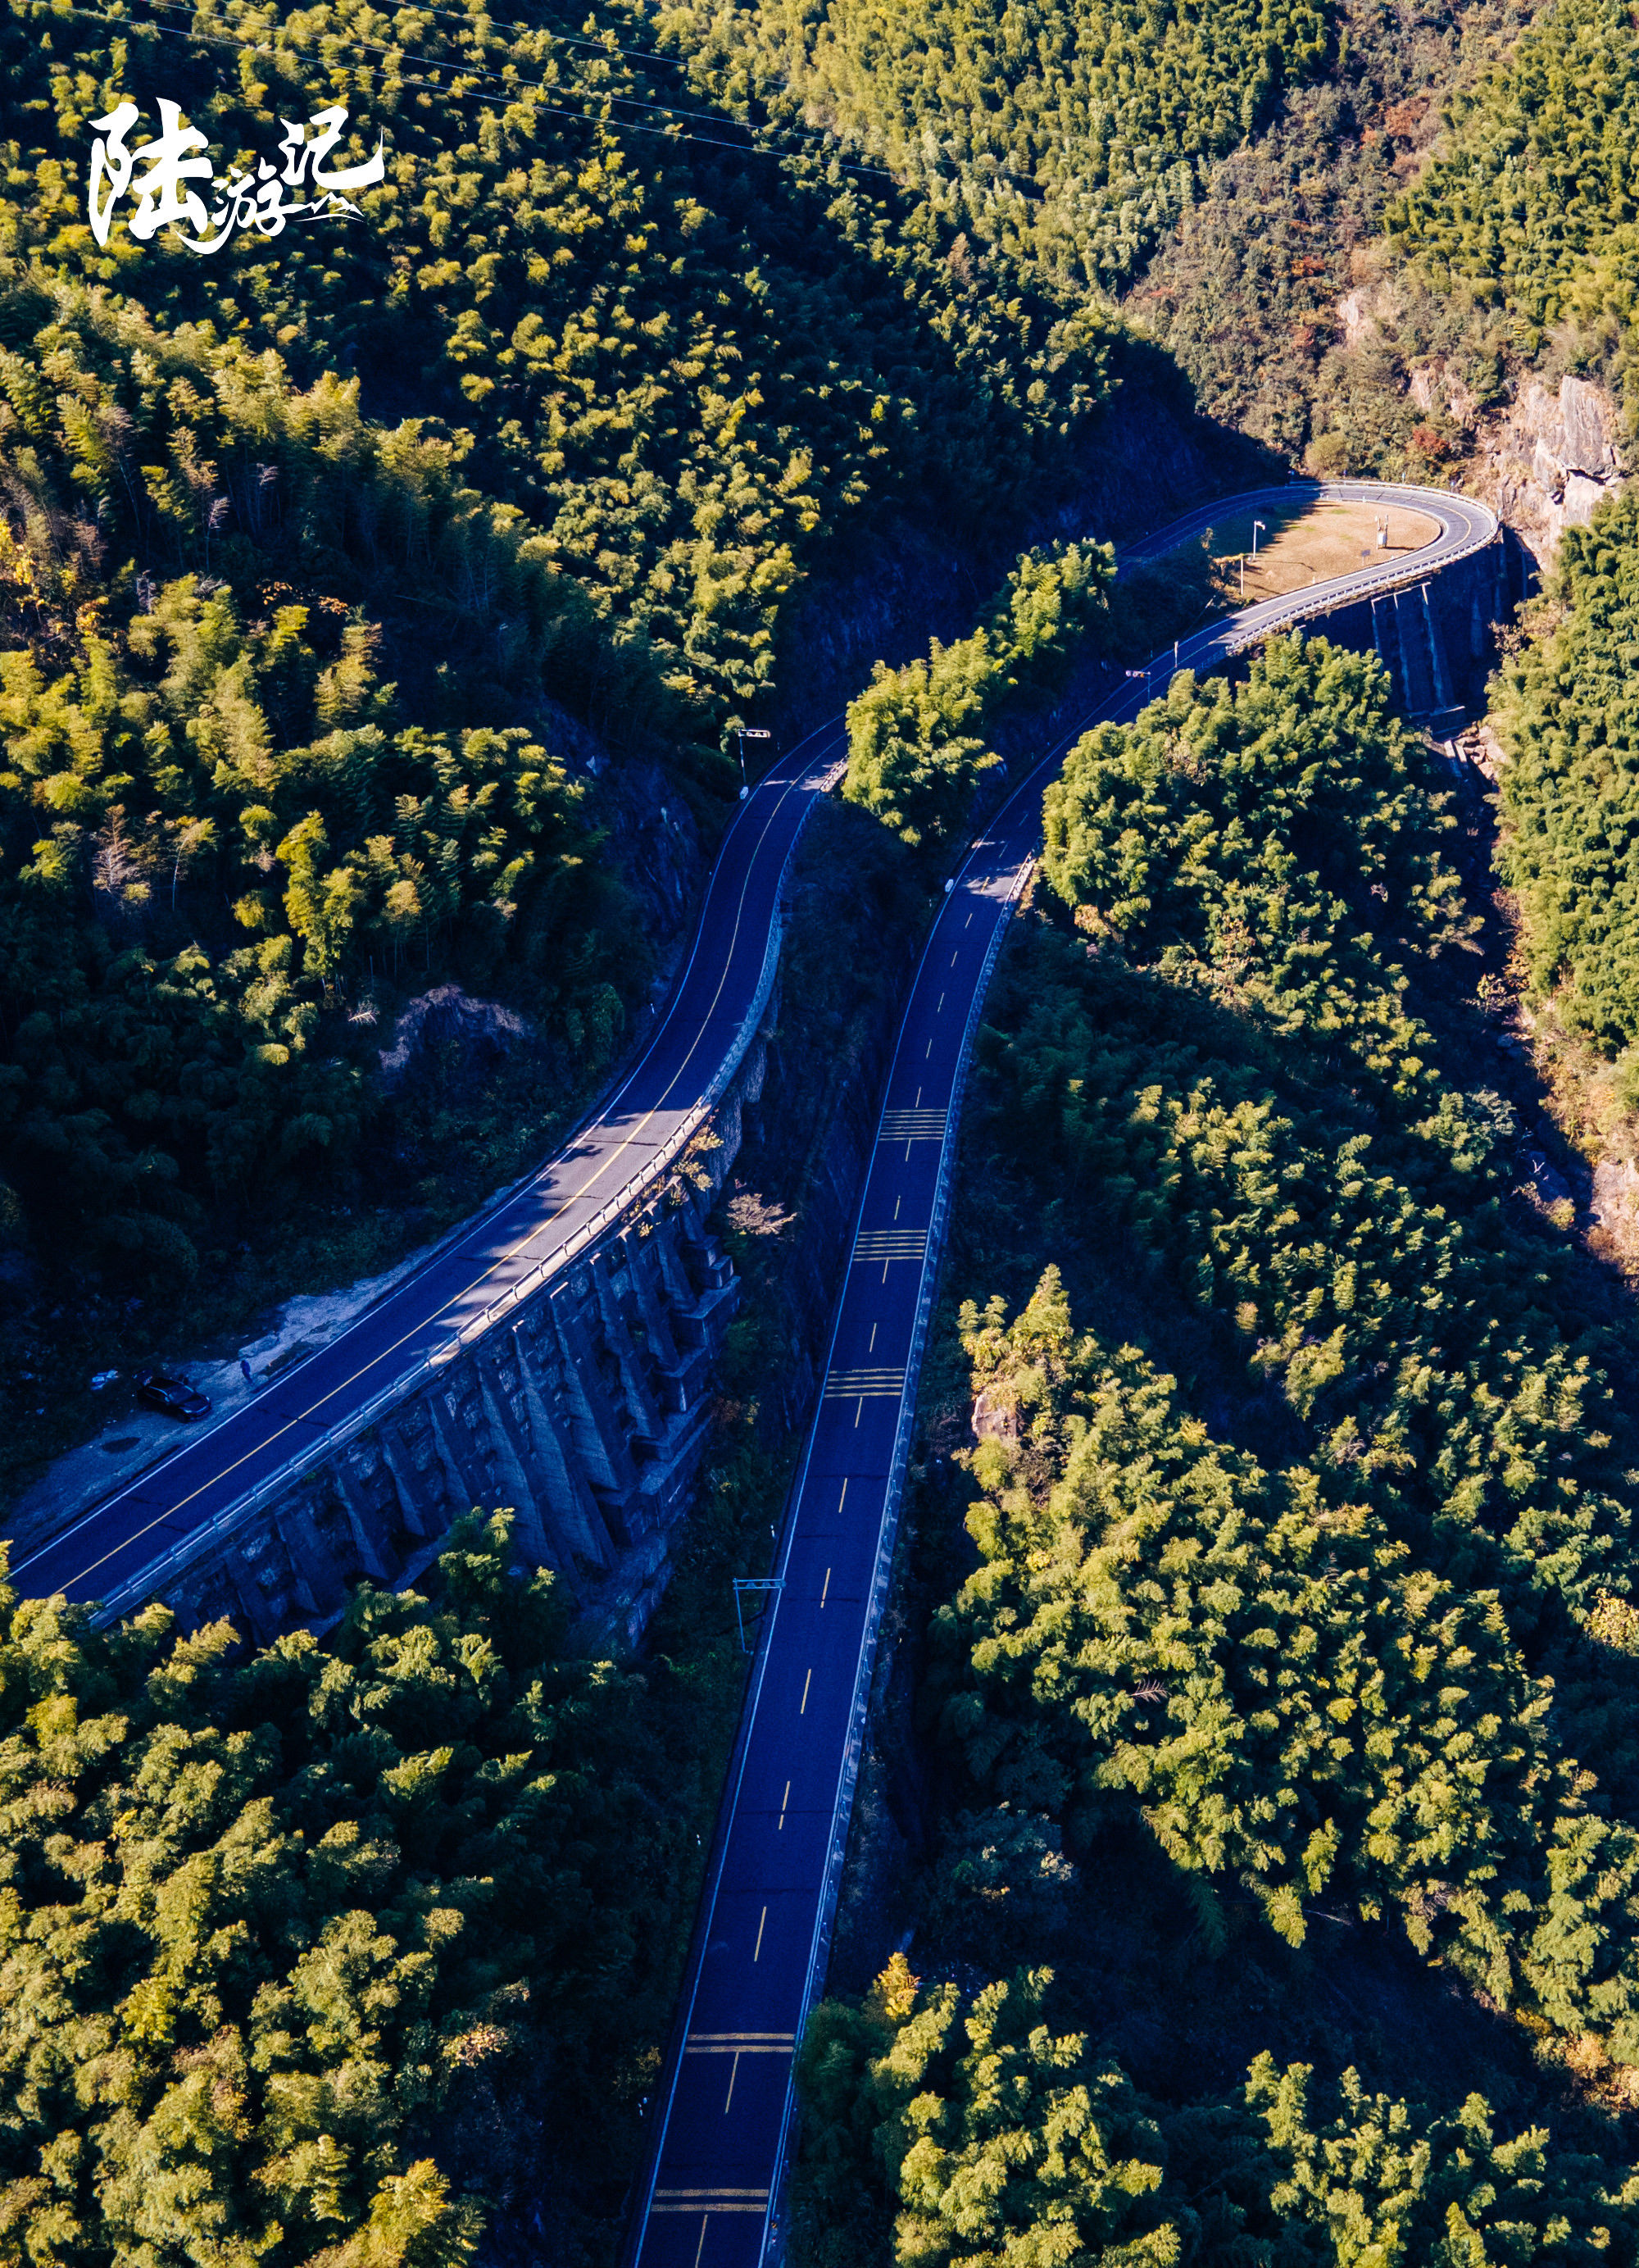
column 587, row 1413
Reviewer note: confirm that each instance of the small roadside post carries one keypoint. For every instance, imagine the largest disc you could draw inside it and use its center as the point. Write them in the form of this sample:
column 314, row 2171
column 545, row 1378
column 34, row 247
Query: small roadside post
column 744, row 732
column 746, row 1583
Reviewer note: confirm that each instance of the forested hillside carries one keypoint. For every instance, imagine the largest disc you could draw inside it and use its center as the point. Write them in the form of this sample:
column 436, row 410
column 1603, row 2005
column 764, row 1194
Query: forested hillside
column 1522, row 228
column 282, row 1931
column 1298, row 1604
column 1071, row 139
column 1536, row 184
column 1568, row 708
column 917, row 736
column 344, row 578
column 680, row 361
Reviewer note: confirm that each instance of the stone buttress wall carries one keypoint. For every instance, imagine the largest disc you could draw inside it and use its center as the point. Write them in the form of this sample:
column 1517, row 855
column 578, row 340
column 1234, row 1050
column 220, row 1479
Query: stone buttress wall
column 587, row 1412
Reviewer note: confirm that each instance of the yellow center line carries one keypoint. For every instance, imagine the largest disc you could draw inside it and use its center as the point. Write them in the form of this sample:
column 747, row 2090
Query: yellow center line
column 823, row 1596
column 784, row 1799
column 375, row 1360
column 733, row 2075
column 757, row 1948
column 802, row 1707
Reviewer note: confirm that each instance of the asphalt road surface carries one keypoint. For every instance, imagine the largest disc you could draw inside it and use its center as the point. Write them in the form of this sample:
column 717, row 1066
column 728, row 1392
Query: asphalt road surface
column 115, row 1546
column 711, row 2191
column 112, row 1550
column 1464, row 525
column 725, row 2106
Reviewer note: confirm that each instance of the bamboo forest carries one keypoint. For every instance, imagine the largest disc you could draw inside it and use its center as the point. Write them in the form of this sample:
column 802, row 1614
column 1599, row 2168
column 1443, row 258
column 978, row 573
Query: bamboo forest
column 820, row 1134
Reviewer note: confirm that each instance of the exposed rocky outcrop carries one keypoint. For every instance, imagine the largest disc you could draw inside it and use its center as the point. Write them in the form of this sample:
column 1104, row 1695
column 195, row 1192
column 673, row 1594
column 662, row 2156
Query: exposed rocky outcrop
column 1614, row 1209
column 994, row 1416
column 446, row 1017
column 1547, row 461
column 655, row 842
column 1146, row 456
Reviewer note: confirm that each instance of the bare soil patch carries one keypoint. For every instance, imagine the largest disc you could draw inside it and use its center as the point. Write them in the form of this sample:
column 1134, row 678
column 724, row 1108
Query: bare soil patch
column 1301, row 545
column 1314, row 545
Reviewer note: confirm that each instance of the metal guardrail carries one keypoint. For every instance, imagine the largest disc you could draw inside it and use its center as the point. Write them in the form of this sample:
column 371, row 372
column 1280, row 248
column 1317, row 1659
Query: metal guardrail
column 1305, row 603
column 1386, row 576
column 1370, row 584
column 142, row 1585
column 887, row 1538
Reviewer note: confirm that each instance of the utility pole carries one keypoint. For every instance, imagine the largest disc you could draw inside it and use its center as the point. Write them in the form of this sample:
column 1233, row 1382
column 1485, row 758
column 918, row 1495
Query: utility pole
column 1258, row 529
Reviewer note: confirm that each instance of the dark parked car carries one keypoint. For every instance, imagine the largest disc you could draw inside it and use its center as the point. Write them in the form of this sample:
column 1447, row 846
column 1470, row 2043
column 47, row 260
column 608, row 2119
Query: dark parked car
column 174, row 1396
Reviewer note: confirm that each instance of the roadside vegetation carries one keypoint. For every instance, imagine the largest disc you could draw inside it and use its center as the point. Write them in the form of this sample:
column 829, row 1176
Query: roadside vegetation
column 284, row 1930
column 917, row 736
column 374, row 607
column 375, row 611
column 363, row 1949
column 1568, row 712
column 1295, row 1597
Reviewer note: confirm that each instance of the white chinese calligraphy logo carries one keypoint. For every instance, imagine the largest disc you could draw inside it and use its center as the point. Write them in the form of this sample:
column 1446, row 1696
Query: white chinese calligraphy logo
column 173, row 159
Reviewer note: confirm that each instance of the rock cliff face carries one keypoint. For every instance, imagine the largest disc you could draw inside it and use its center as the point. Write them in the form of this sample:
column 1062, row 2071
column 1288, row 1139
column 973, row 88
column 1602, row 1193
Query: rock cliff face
column 1545, row 464
column 1146, row 457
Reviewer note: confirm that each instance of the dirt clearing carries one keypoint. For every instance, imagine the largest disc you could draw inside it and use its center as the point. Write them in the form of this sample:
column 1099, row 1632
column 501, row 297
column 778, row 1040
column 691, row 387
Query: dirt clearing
column 1304, row 545
column 1300, row 548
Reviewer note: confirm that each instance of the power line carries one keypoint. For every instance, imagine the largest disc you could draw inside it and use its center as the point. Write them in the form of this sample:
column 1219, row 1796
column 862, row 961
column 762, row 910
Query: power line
column 755, row 148
column 545, row 32
column 514, row 89
column 463, row 69
column 653, row 55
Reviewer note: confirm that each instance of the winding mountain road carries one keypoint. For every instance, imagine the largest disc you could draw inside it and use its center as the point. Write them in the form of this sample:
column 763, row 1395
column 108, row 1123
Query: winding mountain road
column 120, row 1550
column 710, row 2194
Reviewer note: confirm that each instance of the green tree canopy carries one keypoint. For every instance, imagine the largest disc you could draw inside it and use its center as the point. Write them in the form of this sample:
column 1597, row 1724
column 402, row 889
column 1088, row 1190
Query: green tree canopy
column 1381, row 1663
column 277, row 1925
column 911, row 759
column 1568, row 715
column 1027, row 2149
